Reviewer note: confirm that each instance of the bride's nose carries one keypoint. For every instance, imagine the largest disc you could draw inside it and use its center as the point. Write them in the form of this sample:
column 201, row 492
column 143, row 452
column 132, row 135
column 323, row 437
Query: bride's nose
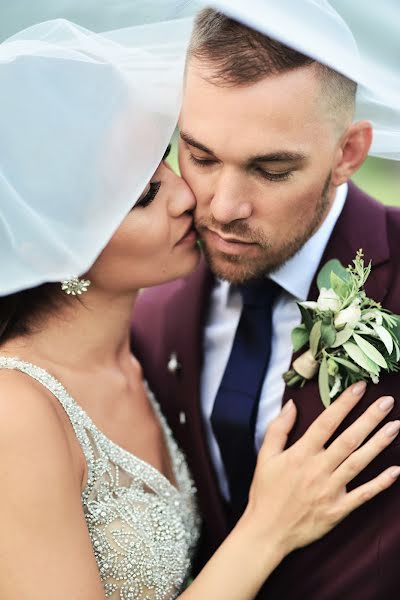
column 182, row 198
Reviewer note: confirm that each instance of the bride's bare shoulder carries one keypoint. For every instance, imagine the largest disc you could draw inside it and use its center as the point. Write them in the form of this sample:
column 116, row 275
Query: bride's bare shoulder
column 29, row 420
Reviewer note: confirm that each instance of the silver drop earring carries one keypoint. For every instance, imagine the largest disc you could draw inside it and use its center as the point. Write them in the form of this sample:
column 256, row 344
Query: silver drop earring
column 75, row 286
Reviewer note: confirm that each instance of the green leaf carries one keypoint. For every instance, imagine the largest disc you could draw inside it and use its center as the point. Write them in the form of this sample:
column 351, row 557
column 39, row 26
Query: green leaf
column 384, row 336
column 396, row 328
column 332, row 266
column 342, row 337
column 306, row 317
column 370, row 351
column 360, row 358
column 338, row 285
column 323, row 383
column 300, row 337
column 348, row 364
column 315, row 337
column 328, row 334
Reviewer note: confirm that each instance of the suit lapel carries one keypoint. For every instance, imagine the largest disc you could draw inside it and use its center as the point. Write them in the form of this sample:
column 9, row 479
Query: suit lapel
column 362, row 224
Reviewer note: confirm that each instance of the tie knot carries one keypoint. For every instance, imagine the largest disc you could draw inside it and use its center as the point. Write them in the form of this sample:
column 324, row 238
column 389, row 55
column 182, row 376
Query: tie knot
column 259, row 292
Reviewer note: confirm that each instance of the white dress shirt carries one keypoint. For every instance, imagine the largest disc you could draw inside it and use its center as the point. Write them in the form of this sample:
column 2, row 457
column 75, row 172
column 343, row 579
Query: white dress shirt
column 295, row 278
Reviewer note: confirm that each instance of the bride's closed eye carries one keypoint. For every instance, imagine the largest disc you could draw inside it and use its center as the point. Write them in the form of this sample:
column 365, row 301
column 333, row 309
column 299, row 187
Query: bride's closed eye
column 148, row 198
column 153, row 187
column 166, row 153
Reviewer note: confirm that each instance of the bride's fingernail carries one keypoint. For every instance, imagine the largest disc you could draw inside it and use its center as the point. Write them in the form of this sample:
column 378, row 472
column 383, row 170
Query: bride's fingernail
column 288, row 407
column 386, row 403
column 394, row 473
column 358, row 388
column 392, row 428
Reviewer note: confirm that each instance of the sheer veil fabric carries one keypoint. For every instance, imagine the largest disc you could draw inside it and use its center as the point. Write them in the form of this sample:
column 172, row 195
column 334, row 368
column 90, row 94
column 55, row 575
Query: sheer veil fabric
column 359, row 39
column 84, row 122
column 85, row 117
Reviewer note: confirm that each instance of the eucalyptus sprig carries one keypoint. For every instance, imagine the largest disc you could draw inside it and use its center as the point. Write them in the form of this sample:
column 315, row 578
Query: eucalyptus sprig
column 350, row 337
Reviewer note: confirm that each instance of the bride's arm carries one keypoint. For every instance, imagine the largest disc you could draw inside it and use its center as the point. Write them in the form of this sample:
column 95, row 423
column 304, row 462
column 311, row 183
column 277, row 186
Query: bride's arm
column 45, row 548
column 297, row 496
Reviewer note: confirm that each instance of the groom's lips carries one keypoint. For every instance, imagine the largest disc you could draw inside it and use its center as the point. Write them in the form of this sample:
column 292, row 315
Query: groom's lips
column 228, row 245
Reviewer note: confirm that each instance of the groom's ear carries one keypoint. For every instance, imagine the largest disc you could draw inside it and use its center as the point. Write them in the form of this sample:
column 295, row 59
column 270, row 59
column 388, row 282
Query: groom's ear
column 352, row 151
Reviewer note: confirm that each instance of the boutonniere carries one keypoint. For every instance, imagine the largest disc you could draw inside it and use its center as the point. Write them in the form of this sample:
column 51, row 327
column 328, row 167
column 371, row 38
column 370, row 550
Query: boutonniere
column 348, row 337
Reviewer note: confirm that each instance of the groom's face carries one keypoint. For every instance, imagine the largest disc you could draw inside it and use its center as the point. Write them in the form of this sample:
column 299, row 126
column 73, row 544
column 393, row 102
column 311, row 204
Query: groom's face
column 258, row 159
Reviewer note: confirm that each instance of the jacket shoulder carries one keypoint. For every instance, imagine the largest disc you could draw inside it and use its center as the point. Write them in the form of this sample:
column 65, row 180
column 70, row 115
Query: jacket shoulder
column 393, row 221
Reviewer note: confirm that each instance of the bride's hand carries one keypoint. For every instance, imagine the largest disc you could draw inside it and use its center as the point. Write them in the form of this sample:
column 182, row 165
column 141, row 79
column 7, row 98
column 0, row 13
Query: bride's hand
column 300, row 493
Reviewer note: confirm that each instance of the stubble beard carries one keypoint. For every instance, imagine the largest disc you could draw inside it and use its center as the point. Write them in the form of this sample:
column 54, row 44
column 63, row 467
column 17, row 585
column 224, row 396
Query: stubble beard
column 239, row 269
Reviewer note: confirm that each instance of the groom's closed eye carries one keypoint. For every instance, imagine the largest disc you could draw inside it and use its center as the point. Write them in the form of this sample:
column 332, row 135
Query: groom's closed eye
column 273, row 166
column 270, row 175
column 192, row 144
column 201, row 162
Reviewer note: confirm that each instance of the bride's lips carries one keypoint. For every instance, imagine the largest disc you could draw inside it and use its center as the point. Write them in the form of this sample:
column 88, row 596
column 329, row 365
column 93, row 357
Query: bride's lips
column 190, row 236
column 228, row 245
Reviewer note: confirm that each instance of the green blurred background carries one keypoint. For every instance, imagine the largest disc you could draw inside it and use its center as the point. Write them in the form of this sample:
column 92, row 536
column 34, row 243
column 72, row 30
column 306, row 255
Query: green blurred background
column 381, row 179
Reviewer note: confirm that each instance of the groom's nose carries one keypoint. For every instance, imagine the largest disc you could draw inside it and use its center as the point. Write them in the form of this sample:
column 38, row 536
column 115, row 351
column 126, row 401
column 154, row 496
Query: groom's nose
column 229, row 200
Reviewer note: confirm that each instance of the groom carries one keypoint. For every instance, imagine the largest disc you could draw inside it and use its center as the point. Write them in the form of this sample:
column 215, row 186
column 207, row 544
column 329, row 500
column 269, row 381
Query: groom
column 268, row 145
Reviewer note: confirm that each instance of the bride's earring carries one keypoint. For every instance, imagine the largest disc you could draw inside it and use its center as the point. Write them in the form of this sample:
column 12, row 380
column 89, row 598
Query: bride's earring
column 75, row 286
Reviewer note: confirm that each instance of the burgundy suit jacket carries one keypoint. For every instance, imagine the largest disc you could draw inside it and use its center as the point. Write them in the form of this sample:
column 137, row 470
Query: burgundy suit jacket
column 360, row 558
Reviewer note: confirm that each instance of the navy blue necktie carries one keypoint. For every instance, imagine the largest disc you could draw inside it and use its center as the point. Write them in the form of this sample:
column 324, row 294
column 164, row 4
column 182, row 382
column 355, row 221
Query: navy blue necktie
column 235, row 409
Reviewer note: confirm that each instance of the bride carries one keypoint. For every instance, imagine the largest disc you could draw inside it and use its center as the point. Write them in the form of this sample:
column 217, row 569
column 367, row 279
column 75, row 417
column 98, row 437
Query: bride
column 97, row 500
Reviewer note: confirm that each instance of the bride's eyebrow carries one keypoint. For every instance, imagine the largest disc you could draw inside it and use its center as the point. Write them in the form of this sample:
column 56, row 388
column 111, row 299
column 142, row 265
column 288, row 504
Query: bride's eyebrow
column 191, row 141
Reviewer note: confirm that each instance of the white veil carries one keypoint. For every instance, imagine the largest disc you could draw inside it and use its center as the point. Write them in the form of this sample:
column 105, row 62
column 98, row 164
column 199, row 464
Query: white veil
column 84, row 122
column 85, row 118
column 357, row 38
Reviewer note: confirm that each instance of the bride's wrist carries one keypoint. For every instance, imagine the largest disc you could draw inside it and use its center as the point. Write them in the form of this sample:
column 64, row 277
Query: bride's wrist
column 265, row 540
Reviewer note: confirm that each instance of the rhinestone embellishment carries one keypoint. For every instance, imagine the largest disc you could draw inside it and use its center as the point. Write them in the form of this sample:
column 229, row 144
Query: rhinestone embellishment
column 143, row 529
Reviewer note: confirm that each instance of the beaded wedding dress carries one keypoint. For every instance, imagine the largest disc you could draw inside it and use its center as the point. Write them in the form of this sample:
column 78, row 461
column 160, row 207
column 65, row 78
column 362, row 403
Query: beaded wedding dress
column 143, row 529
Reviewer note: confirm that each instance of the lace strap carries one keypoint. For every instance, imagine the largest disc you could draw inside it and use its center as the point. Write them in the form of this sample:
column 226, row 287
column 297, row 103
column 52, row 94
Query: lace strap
column 80, row 421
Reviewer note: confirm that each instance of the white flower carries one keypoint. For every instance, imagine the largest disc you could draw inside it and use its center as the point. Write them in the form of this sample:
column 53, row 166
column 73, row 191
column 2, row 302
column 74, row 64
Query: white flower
column 337, row 386
column 375, row 378
column 350, row 316
column 328, row 300
column 309, row 304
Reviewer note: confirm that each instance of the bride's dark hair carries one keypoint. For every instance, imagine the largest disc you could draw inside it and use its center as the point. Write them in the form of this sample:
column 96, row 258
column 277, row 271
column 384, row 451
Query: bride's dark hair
column 22, row 311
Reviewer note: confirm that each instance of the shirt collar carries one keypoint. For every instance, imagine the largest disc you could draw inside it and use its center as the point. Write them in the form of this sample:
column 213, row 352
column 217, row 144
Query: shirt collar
column 296, row 275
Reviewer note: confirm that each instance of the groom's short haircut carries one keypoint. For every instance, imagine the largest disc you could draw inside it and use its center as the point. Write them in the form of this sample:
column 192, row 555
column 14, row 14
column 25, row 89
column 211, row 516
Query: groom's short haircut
column 240, row 56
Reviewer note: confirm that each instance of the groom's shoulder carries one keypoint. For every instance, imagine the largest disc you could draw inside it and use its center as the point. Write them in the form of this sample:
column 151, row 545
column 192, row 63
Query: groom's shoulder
column 366, row 217
column 368, row 207
column 389, row 216
column 375, row 227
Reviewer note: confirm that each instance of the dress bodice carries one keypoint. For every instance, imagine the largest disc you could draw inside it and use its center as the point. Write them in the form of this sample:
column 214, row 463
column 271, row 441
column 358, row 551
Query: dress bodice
column 143, row 529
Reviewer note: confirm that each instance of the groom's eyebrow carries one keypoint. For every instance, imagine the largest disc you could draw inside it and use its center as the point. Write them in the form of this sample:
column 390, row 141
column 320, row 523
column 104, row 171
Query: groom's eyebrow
column 192, row 142
column 279, row 157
